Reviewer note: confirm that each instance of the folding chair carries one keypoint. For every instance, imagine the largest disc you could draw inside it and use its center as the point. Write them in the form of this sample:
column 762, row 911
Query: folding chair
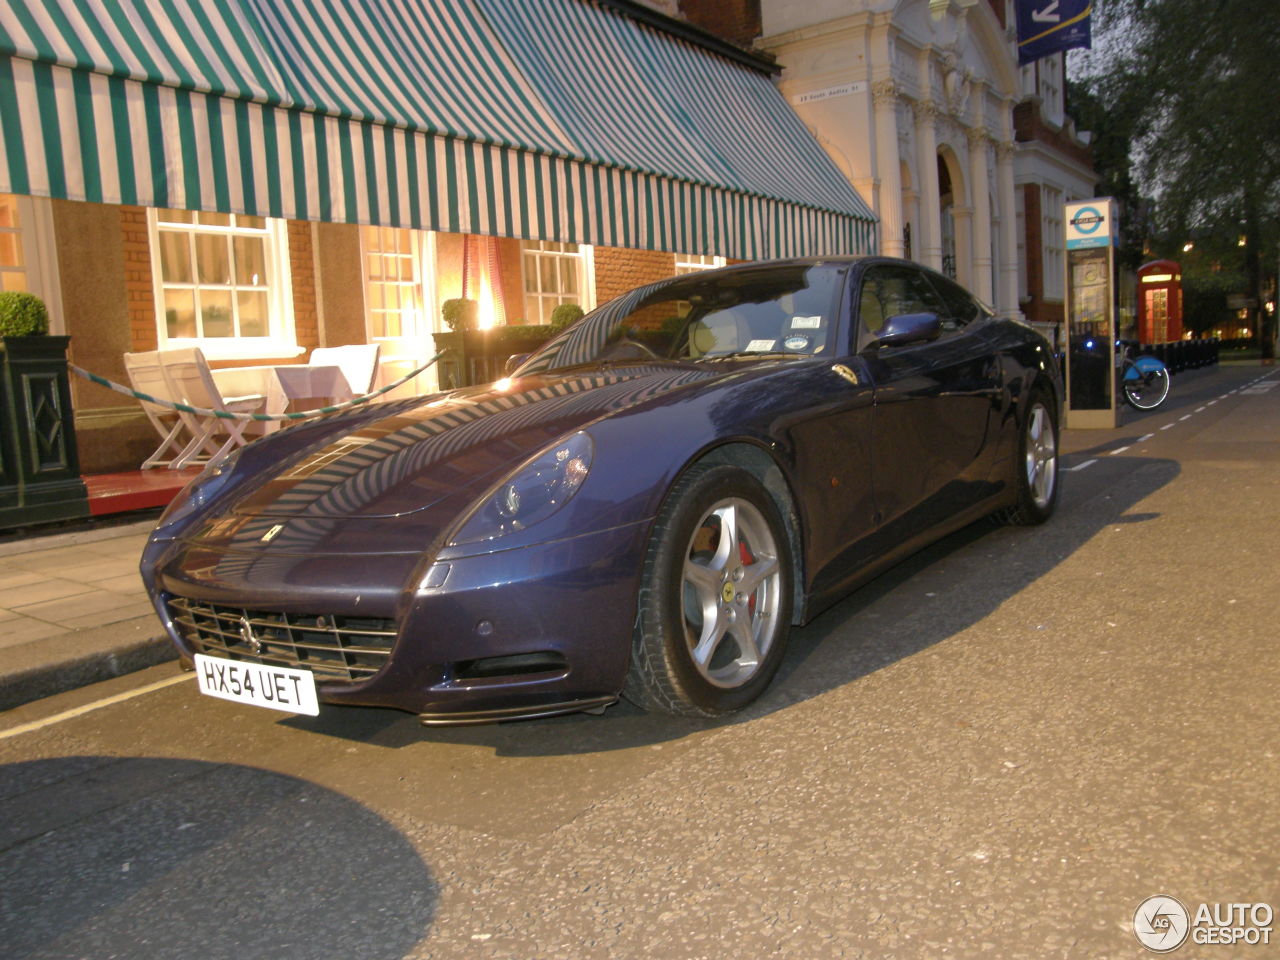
column 357, row 361
column 146, row 377
column 190, row 382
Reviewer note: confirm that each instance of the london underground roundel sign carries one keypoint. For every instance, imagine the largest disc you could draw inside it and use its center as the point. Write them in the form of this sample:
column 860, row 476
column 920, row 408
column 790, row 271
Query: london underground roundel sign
column 1089, row 224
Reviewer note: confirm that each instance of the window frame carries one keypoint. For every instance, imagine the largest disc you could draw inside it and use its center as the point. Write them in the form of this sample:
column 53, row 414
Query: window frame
column 1053, row 244
column 686, row 263
column 584, row 255
column 36, row 242
column 421, row 257
column 281, row 339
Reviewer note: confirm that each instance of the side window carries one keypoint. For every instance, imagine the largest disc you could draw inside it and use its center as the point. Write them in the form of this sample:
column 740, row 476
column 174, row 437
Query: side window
column 221, row 283
column 890, row 291
column 962, row 308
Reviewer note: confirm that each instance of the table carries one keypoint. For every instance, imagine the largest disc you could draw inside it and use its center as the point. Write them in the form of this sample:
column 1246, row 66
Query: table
column 285, row 385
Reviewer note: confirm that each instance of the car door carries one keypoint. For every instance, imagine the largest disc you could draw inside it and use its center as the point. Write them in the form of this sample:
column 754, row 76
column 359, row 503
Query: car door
column 933, row 404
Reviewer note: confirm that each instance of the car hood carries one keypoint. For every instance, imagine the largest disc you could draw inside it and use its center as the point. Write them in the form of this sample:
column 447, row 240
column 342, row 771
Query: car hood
column 461, row 441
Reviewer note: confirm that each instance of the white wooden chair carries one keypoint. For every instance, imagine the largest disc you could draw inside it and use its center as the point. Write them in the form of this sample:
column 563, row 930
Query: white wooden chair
column 146, row 376
column 357, row 361
column 190, row 382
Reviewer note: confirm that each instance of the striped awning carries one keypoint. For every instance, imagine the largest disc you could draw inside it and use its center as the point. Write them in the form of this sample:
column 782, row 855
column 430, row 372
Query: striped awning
column 545, row 119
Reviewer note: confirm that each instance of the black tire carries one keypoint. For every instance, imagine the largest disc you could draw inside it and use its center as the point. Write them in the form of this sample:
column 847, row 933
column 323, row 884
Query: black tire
column 1148, row 392
column 1036, row 467
column 714, row 613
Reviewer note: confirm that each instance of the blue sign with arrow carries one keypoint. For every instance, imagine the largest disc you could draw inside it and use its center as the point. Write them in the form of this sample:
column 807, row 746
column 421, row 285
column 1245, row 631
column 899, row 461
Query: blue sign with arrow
column 1048, row 26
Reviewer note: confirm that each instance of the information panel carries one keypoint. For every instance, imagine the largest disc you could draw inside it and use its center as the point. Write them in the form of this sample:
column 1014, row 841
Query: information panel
column 1091, row 341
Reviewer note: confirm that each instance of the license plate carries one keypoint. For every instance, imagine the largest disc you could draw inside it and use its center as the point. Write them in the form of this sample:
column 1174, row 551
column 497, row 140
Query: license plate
column 277, row 688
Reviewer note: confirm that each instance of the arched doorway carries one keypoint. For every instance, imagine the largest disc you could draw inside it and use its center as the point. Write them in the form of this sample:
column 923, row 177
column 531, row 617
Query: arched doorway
column 947, row 205
column 954, row 216
column 910, row 215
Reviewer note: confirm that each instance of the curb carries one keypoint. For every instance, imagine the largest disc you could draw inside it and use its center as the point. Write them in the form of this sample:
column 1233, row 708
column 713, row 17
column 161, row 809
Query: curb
column 81, row 658
column 90, row 533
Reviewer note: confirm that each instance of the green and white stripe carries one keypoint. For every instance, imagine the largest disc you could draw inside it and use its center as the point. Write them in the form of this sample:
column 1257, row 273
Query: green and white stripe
column 549, row 119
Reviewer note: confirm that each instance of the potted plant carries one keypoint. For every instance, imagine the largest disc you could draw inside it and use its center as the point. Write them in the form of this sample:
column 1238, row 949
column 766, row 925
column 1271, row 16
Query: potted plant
column 39, row 463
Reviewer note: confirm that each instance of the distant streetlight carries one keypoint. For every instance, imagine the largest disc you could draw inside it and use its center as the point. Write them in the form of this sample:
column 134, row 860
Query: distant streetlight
column 1186, row 247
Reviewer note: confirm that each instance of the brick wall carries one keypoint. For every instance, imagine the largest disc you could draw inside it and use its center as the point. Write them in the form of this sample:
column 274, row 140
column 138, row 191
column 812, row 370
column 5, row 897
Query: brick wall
column 737, row 21
column 302, row 266
column 1029, row 125
column 139, row 291
column 619, row 270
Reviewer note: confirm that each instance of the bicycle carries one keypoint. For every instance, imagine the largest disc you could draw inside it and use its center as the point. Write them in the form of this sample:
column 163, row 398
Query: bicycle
column 1143, row 378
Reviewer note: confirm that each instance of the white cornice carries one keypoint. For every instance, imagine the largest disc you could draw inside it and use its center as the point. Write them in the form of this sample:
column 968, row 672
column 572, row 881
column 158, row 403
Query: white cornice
column 1037, row 150
column 827, row 31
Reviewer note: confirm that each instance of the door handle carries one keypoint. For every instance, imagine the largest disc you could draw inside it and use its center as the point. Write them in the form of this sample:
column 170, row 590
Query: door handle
column 841, row 370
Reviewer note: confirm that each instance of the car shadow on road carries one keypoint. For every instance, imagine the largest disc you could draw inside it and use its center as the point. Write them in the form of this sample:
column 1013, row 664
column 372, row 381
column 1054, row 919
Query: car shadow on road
column 146, row 857
column 891, row 618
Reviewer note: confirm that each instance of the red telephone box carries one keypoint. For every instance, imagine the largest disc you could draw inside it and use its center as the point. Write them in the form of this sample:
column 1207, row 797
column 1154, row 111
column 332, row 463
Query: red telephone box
column 1159, row 301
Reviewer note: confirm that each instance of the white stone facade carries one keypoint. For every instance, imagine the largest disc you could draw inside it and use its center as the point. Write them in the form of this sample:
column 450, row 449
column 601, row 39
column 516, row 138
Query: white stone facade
column 914, row 100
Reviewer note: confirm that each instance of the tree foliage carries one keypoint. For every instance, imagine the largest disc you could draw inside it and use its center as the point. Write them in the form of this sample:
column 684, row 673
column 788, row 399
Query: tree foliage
column 1196, row 82
column 1111, row 146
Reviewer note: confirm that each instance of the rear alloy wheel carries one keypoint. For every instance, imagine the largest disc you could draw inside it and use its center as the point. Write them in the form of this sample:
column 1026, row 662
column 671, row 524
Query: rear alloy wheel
column 1037, row 467
column 715, row 602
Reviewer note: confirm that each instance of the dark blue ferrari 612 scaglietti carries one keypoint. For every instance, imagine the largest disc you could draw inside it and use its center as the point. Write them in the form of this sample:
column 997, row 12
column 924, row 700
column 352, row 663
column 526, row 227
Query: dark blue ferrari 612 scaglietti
column 643, row 508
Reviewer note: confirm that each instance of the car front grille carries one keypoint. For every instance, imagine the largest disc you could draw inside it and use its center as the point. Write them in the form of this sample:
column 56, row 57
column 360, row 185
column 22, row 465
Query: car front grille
column 333, row 647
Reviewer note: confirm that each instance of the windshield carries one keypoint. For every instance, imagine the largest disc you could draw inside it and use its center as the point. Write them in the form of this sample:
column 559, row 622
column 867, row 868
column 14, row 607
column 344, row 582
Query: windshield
column 776, row 309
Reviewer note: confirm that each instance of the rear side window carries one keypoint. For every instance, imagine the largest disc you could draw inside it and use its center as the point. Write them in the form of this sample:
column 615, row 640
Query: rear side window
column 962, row 307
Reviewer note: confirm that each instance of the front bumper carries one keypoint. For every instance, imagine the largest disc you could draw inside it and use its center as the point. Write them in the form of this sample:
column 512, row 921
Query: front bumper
column 525, row 632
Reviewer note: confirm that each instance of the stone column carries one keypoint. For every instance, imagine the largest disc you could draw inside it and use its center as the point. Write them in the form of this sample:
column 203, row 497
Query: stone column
column 979, row 157
column 1007, row 297
column 888, row 167
column 930, row 239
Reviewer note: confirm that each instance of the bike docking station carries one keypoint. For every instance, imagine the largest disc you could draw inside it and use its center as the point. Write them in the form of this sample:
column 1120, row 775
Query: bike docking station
column 1091, row 314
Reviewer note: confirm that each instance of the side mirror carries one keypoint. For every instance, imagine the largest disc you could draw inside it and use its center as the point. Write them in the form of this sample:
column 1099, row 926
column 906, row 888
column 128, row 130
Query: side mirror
column 909, row 328
column 514, row 361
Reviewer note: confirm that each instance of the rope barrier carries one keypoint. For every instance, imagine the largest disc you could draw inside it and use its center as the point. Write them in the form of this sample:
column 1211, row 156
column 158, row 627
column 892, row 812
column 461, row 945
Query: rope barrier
column 228, row 415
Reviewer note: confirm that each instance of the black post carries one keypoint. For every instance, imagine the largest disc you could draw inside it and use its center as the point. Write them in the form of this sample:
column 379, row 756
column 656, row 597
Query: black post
column 39, row 463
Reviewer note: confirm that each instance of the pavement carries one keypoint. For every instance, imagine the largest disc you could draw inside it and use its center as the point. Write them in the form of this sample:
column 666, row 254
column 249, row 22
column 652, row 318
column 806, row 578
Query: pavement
column 73, row 610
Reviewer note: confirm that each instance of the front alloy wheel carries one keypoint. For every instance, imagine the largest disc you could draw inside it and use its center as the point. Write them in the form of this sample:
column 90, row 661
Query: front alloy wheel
column 731, row 593
column 715, row 607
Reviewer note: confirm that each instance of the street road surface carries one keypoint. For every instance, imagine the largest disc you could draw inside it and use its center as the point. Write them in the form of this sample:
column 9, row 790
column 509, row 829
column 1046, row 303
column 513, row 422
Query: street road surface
column 999, row 749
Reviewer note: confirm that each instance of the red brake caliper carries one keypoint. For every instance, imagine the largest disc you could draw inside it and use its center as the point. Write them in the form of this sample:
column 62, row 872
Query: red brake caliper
column 745, row 555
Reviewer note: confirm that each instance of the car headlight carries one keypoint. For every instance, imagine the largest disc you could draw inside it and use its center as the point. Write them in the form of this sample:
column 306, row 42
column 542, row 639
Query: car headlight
column 199, row 492
column 534, row 491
